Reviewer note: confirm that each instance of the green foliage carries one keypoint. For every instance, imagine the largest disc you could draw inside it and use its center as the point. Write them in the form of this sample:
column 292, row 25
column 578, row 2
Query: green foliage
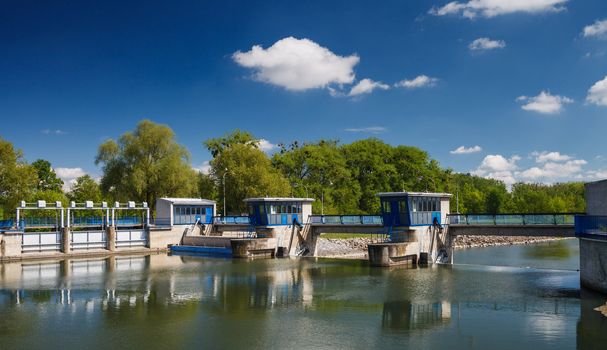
column 146, row 164
column 207, row 187
column 47, row 178
column 85, row 188
column 219, row 144
column 320, row 170
column 17, row 179
column 243, row 171
column 538, row 198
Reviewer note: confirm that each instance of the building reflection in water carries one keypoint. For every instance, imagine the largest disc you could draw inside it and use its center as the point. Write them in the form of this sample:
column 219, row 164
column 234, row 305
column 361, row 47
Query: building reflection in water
column 144, row 289
column 404, row 315
column 119, row 282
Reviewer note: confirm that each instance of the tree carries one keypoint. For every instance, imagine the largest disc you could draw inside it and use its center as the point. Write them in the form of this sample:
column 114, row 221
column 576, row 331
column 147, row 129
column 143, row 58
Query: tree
column 146, row 164
column 17, row 178
column 320, row 170
column 207, row 186
column 85, row 189
column 47, row 178
column 243, row 171
column 372, row 166
column 217, row 145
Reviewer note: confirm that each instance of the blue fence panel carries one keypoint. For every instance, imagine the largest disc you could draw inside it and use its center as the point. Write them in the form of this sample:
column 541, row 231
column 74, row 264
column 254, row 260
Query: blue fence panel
column 7, row 223
column 589, row 225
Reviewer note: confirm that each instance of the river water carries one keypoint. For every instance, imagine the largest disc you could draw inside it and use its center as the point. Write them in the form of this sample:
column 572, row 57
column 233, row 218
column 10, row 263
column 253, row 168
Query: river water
column 496, row 297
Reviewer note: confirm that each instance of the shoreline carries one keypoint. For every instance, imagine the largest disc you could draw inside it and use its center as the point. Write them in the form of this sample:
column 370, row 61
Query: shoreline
column 356, row 248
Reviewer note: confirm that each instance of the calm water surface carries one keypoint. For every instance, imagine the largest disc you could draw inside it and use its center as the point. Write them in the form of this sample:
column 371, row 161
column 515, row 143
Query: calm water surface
column 162, row 301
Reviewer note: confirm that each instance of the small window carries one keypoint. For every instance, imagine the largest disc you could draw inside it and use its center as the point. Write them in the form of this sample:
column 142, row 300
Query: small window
column 387, row 207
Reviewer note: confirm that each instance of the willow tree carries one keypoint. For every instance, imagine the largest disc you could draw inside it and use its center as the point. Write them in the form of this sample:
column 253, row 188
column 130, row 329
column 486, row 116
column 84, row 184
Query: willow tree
column 17, row 178
column 146, row 164
column 243, row 171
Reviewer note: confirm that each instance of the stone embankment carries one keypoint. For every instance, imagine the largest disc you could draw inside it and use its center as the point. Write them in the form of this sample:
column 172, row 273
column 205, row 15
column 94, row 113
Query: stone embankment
column 356, row 248
column 489, row 241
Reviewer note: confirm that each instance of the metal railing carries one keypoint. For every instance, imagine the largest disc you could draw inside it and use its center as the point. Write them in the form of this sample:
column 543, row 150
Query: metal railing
column 512, row 219
column 7, row 224
column 128, row 221
column 88, row 221
column 346, row 220
column 231, row 220
column 594, row 226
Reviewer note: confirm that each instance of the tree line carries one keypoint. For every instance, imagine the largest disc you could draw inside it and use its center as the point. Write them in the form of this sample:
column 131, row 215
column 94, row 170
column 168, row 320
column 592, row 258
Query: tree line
column 148, row 163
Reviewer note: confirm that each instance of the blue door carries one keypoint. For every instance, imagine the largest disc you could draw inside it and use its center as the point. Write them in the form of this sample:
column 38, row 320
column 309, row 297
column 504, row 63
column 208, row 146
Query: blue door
column 395, row 215
column 283, row 219
column 208, row 211
column 436, row 214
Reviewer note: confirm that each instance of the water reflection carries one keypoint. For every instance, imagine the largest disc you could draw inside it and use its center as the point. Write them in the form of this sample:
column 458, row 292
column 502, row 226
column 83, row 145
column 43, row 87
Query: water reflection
column 403, row 315
column 160, row 301
column 554, row 250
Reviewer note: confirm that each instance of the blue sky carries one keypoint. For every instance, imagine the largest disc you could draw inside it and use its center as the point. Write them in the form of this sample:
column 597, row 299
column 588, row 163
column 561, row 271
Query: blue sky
column 520, row 87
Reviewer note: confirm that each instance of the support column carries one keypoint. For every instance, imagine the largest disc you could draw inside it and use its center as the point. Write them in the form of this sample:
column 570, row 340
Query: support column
column 66, row 236
column 111, row 238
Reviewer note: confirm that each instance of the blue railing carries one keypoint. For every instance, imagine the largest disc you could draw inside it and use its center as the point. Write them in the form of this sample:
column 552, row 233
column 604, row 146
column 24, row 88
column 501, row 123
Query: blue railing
column 345, row 220
column 88, row 221
column 7, row 224
column 231, row 220
column 511, row 219
column 593, row 226
column 39, row 222
column 128, row 221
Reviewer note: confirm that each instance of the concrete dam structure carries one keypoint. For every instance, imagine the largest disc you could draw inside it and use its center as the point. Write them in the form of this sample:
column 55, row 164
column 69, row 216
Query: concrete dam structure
column 412, row 228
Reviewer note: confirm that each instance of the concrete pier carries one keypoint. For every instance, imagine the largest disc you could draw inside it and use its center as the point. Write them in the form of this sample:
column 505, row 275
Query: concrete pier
column 253, row 247
column 111, row 238
column 66, row 235
column 391, row 254
column 593, row 246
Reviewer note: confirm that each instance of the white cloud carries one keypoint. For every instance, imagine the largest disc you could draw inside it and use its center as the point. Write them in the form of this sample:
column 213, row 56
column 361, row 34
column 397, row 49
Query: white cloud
column 551, row 167
column 553, row 171
column 544, row 103
column 298, row 64
column 492, row 8
column 418, row 82
column 543, row 157
column 597, row 94
column 69, row 176
column 600, row 174
column 464, row 150
column 498, row 167
column 57, row 132
column 366, row 86
column 597, row 29
column 204, row 168
column 369, row 129
column 483, row 44
column 266, row 145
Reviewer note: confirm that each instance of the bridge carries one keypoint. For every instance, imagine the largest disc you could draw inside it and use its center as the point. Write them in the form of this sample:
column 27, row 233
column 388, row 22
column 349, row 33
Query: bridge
column 540, row 224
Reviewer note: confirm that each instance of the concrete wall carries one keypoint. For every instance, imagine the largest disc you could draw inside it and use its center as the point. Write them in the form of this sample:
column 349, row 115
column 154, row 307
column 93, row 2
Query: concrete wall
column 10, row 245
column 593, row 264
column 596, row 198
column 445, row 208
column 161, row 238
column 306, row 211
